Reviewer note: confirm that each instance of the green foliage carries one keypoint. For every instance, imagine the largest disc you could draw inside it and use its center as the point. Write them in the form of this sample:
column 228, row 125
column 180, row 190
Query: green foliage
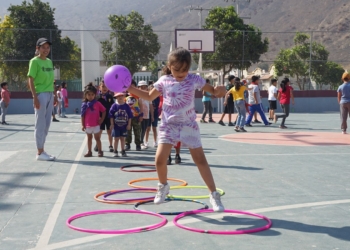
column 132, row 44
column 238, row 45
column 20, row 31
column 296, row 63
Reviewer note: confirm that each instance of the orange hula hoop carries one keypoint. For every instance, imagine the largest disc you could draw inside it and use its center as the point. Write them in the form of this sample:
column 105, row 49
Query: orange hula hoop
column 130, row 183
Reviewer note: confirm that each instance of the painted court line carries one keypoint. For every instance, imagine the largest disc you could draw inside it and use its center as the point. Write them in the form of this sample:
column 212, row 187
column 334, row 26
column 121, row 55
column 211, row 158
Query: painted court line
column 294, row 154
column 55, row 212
column 88, row 239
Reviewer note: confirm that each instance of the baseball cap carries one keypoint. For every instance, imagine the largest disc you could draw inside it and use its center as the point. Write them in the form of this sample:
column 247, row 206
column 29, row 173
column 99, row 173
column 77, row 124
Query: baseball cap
column 119, row 94
column 42, row 41
column 142, row 83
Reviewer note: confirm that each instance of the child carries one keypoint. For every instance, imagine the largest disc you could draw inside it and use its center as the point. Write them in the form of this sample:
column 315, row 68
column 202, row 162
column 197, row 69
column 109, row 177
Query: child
column 64, row 102
column 207, row 106
column 120, row 119
column 272, row 99
column 254, row 100
column 5, row 102
column 147, row 111
column 179, row 120
column 59, row 99
column 237, row 92
column 229, row 107
column 285, row 93
column 107, row 101
column 135, row 104
column 153, row 121
column 344, row 101
column 177, row 154
column 90, row 118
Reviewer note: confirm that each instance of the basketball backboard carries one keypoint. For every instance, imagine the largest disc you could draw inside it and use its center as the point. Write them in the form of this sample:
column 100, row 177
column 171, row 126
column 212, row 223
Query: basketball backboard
column 195, row 40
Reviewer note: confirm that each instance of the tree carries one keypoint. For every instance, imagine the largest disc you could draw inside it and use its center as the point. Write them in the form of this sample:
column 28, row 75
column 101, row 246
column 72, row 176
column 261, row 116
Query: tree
column 331, row 74
column 238, row 45
column 295, row 61
column 132, row 43
column 22, row 28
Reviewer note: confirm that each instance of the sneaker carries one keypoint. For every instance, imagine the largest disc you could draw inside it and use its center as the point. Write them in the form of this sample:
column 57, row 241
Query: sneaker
column 249, row 125
column 231, row 124
column 44, row 157
column 177, row 159
column 242, row 130
column 215, row 201
column 169, row 160
column 52, row 156
column 55, row 120
column 283, row 127
column 143, row 146
column 5, row 123
column 275, row 118
column 211, row 120
column 111, row 149
column 155, row 144
column 138, row 148
column 203, row 121
column 162, row 192
column 100, row 154
column 127, row 147
column 115, row 154
column 88, row 154
column 256, row 121
column 268, row 124
column 221, row 123
column 124, row 153
column 236, row 129
column 96, row 148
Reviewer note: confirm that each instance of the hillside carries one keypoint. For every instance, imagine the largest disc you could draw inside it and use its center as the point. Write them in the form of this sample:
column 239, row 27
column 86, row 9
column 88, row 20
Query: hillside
column 328, row 17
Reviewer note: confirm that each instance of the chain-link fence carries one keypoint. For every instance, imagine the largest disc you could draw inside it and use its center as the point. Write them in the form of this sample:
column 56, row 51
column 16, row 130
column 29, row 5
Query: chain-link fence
column 89, row 53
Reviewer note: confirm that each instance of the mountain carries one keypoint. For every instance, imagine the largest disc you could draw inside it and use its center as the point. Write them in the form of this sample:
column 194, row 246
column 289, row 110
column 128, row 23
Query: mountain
column 278, row 19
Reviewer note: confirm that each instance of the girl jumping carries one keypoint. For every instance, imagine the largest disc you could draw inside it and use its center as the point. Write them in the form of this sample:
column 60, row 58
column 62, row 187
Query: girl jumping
column 179, row 120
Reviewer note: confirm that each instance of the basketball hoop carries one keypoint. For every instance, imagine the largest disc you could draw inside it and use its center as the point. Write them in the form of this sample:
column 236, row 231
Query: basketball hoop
column 194, row 51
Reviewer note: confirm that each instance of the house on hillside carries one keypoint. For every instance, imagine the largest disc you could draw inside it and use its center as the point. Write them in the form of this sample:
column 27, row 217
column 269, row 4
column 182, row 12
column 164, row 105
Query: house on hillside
column 265, row 77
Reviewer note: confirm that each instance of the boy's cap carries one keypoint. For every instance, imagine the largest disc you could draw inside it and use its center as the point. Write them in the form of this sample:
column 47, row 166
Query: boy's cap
column 119, row 94
column 142, row 83
column 42, row 41
column 345, row 75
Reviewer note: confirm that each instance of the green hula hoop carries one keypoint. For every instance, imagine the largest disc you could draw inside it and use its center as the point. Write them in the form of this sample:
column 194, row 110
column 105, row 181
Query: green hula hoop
column 221, row 192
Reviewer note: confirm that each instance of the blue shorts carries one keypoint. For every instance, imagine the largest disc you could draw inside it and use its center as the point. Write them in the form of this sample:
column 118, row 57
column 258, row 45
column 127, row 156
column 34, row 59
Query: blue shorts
column 119, row 132
column 155, row 121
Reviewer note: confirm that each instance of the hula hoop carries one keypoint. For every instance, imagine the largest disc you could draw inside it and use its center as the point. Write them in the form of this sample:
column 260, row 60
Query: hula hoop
column 96, row 197
column 222, row 192
column 129, row 190
column 130, row 183
column 246, row 231
column 172, row 199
column 138, row 165
column 123, row 231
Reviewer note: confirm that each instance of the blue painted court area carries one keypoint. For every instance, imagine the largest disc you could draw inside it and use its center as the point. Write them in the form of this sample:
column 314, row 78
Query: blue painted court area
column 304, row 190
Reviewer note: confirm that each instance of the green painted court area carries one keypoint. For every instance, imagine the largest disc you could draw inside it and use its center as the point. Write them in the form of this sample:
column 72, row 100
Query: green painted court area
column 298, row 178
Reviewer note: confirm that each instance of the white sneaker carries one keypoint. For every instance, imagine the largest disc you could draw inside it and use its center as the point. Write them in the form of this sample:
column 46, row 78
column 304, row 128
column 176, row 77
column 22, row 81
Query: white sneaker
column 44, row 157
column 162, row 192
column 52, row 156
column 144, row 145
column 215, row 201
column 155, row 144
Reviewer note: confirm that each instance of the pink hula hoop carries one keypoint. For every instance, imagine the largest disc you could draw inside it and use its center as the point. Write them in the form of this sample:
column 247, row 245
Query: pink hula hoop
column 122, row 231
column 246, row 231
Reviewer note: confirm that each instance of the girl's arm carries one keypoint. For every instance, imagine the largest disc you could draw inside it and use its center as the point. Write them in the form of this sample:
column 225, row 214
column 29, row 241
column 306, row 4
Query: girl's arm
column 82, row 123
column 218, row 91
column 279, row 95
column 147, row 95
column 102, row 117
column 339, row 96
column 226, row 96
column 32, row 89
column 292, row 96
column 59, row 95
column 112, row 123
column 151, row 108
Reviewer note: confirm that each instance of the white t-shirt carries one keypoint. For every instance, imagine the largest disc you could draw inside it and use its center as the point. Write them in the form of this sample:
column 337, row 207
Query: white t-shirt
column 145, row 108
column 272, row 91
column 59, row 96
column 254, row 89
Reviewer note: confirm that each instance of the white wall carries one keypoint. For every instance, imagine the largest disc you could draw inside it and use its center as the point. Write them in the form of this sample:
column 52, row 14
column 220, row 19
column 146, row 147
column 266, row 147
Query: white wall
column 90, row 57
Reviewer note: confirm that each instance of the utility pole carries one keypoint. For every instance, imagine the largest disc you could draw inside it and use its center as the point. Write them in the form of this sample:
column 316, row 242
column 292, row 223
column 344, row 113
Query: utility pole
column 200, row 9
column 237, row 11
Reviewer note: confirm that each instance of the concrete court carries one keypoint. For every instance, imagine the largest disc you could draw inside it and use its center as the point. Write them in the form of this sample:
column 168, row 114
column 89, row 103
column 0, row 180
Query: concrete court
column 303, row 188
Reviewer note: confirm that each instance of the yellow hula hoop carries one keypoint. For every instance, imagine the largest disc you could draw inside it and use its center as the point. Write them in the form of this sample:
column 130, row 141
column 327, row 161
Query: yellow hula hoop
column 221, row 192
column 130, row 183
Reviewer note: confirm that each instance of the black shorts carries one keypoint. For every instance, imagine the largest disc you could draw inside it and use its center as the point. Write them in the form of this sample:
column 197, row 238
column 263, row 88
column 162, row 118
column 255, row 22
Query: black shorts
column 229, row 107
column 105, row 124
column 273, row 105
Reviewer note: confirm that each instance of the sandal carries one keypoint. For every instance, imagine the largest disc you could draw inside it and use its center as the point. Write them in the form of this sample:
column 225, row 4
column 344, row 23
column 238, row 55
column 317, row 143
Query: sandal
column 88, row 154
column 100, row 154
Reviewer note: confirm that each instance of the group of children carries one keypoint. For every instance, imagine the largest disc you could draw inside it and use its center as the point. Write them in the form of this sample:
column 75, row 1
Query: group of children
column 62, row 101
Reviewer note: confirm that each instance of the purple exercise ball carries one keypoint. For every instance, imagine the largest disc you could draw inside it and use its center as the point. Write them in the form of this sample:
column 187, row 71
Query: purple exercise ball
column 117, row 78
